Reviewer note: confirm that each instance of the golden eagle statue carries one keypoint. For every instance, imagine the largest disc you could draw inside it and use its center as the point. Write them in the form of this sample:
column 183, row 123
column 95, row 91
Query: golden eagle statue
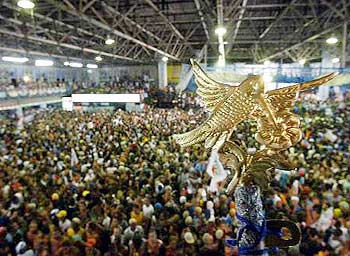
column 278, row 127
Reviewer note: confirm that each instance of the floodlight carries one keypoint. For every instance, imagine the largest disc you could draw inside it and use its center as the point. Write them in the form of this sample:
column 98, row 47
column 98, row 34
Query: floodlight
column 335, row 60
column 332, row 40
column 220, row 31
column 26, row 78
column 15, row 59
column 302, row 61
column 76, row 64
column 91, row 66
column 43, row 63
column 109, row 41
column 25, row 4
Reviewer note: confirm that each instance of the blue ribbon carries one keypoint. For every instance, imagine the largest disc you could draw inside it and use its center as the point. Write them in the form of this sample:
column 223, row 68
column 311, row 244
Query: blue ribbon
column 262, row 232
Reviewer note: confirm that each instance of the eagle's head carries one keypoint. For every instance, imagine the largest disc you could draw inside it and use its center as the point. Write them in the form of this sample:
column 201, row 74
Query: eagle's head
column 253, row 85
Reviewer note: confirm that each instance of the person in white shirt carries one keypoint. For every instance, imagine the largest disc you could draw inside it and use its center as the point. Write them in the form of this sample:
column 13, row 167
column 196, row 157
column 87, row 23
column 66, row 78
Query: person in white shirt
column 130, row 231
column 148, row 208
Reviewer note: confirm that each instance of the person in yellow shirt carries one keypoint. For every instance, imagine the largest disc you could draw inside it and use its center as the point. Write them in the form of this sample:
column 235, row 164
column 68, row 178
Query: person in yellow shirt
column 137, row 214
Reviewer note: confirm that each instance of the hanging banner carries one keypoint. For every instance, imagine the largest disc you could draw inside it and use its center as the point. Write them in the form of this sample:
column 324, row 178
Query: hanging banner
column 174, row 72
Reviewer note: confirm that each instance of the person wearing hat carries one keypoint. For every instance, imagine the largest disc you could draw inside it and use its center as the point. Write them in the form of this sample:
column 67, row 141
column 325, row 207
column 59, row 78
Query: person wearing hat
column 63, row 222
column 90, row 247
column 189, row 246
column 198, row 218
column 188, row 221
column 55, row 197
column 85, row 193
column 220, row 240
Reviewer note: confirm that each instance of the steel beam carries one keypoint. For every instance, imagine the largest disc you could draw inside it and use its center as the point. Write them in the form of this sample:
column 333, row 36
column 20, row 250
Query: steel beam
column 132, row 22
column 201, row 16
column 111, row 30
column 165, row 18
column 271, row 6
column 46, row 30
column 65, row 45
column 344, row 42
column 231, row 8
column 334, row 9
column 307, row 40
column 238, row 24
column 43, row 54
column 261, row 18
column 48, row 19
column 240, row 42
column 88, row 5
column 240, row 16
column 278, row 18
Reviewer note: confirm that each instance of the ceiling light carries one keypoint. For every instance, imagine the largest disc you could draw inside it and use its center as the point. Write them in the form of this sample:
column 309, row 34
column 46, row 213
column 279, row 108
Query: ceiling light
column 98, row 58
column 89, row 71
column 302, row 61
column 26, row 4
column 332, row 40
column 109, row 41
column 26, row 78
column 76, row 64
column 43, row 63
column 335, row 60
column 165, row 59
column 267, row 62
column 91, row 66
column 15, row 59
column 66, row 63
column 220, row 31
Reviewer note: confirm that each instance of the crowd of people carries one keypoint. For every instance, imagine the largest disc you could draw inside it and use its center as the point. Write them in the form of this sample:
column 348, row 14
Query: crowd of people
column 31, row 88
column 116, row 183
column 151, row 94
column 113, row 86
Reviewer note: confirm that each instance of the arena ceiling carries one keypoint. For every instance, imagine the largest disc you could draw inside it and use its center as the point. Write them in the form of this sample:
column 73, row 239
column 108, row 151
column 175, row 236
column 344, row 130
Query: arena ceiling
column 147, row 30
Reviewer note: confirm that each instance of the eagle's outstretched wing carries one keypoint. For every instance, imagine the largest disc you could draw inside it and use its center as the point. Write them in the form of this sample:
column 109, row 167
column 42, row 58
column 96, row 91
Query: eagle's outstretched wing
column 229, row 111
column 284, row 98
column 211, row 91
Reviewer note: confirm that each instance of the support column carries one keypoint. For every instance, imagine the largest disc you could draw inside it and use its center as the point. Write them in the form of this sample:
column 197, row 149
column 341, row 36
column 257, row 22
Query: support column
column 323, row 91
column 220, row 34
column 19, row 114
column 345, row 35
column 162, row 74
